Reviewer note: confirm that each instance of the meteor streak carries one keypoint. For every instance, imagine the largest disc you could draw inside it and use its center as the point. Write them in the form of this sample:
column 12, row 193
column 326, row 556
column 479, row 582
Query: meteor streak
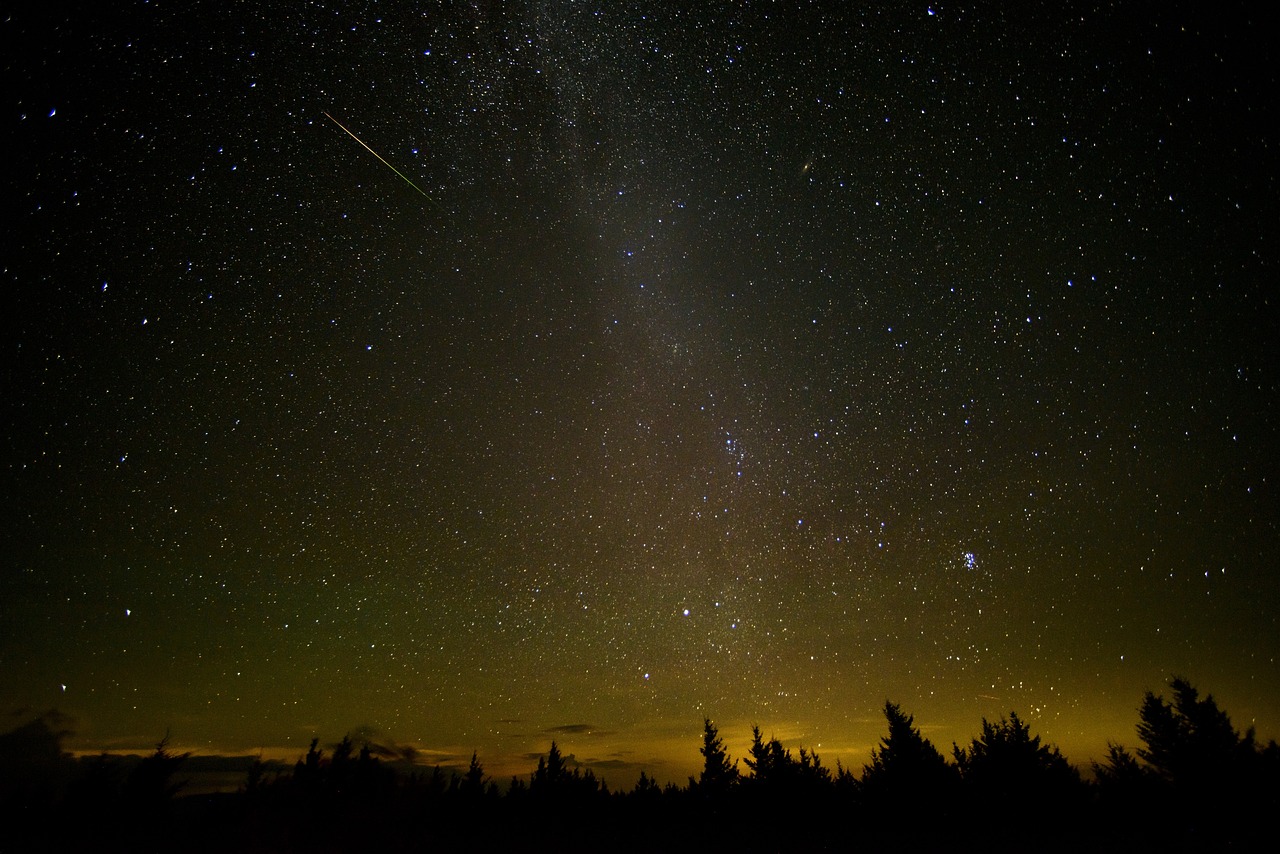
column 379, row 156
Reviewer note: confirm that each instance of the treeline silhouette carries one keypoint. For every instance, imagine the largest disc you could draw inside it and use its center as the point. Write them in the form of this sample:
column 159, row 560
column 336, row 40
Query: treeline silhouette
column 1194, row 784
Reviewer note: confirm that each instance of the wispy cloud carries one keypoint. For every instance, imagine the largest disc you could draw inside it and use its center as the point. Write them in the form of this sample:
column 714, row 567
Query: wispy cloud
column 578, row 729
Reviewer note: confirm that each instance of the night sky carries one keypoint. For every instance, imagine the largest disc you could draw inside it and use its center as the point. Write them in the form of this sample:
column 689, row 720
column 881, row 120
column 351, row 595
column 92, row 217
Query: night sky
column 759, row 361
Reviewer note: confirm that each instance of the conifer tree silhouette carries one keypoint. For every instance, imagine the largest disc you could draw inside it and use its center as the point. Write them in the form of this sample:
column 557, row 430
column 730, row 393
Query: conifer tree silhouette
column 551, row 773
column 718, row 774
column 150, row 785
column 1125, row 786
column 775, row 770
column 769, row 762
column 1190, row 742
column 646, row 788
column 1210, row 772
column 906, row 770
column 1007, row 762
column 1121, row 768
column 473, row 780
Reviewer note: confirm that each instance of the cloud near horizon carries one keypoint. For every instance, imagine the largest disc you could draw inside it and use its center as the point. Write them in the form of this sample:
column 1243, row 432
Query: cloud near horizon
column 579, row 729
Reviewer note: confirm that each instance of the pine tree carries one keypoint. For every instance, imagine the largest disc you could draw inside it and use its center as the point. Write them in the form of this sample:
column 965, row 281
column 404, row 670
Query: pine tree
column 1189, row 740
column 473, row 780
column 150, row 785
column 551, row 773
column 906, row 770
column 1007, row 760
column 758, row 757
column 646, row 788
column 718, row 774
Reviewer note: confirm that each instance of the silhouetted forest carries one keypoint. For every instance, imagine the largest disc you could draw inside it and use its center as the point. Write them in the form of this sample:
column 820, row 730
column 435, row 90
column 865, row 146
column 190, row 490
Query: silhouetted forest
column 1194, row 783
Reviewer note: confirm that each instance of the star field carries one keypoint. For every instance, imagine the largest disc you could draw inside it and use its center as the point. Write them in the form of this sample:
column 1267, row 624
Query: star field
column 759, row 361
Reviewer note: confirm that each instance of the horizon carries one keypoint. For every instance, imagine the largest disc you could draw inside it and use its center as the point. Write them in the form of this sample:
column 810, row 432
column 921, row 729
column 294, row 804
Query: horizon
column 674, row 768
